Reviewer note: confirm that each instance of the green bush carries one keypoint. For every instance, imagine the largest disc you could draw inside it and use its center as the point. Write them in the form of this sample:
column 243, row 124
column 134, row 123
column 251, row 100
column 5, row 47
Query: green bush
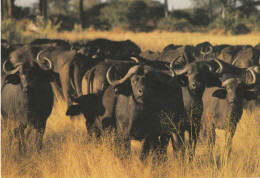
column 115, row 14
column 12, row 31
column 174, row 24
column 236, row 24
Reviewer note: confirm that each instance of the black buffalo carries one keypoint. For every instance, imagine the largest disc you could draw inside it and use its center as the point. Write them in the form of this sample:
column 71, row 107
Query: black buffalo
column 94, row 80
column 150, row 55
column 69, row 68
column 225, row 108
column 195, row 78
column 247, row 57
column 104, row 48
column 229, row 53
column 27, row 99
column 185, row 54
column 206, row 49
column 134, row 105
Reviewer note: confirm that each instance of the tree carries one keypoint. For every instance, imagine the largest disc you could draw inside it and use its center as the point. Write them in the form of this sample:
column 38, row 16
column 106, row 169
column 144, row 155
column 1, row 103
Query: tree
column 81, row 10
column 166, row 11
column 11, row 8
column 43, row 8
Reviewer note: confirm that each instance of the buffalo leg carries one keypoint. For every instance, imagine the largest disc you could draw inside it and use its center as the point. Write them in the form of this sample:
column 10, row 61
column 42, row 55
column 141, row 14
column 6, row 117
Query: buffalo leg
column 234, row 118
column 123, row 145
column 19, row 133
column 150, row 143
column 65, row 82
column 77, row 79
column 164, row 142
column 178, row 143
column 193, row 137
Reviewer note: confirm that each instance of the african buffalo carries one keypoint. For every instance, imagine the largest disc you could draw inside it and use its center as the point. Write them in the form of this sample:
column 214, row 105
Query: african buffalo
column 186, row 53
column 136, row 105
column 247, row 57
column 225, row 108
column 195, row 78
column 27, row 99
column 6, row 49
column 69, row 68
column 206, row 49
column 150, row 55
column 229, row 53
column 94, row 80
column 104, row 48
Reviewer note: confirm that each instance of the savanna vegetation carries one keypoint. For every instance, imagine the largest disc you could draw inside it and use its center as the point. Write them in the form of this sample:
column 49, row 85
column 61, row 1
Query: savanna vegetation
column 227, row 16
column 68, row 151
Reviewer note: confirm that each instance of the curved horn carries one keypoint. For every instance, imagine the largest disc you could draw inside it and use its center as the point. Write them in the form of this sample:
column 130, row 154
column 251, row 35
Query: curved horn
column 50, row 63
column 174, row 60
column 235, row 60
column 220, row 69
column 173, row 74
column 209, row 66
column 128, row 75
column 178, row 71
column 38, row 55
column 204, row 53
column 17, row 66
column 252, row 84
column 135, row 59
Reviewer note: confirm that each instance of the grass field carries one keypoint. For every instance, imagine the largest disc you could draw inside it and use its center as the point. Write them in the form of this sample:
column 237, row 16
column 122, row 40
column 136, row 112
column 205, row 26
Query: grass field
column 69, row 152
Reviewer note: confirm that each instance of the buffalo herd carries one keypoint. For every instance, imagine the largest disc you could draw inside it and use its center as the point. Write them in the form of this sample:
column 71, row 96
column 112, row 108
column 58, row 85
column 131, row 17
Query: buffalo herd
column 149, row 96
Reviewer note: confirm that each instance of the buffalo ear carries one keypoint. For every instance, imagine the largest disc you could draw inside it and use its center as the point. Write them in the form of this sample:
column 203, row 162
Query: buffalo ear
column 73, row 110
column 220, row 93
column 213, row 81
column 13, row 79
column 123, row 88
column 250, row 95
column 183, row 80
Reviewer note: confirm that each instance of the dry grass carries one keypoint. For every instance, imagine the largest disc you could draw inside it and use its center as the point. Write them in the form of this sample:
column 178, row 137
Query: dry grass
column 69, row 152
column 158, row 40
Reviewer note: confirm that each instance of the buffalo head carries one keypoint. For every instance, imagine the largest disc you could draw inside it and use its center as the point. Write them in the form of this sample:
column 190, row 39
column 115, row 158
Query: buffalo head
column 205, row 49
column 235, row 88
column 142, row 82
column 28, row 74
column 196, row 76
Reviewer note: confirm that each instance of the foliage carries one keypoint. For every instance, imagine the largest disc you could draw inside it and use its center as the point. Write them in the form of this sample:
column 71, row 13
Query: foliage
column 115, row 14
column 148, row 15
column 60, row 7
column 237, row 23
column 131, row 15
column 174, row 24
column 137, row 16
column 12, row 31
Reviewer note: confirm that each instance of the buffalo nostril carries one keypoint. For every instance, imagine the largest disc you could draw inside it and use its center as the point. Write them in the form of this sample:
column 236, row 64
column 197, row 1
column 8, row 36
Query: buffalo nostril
column 193, row 86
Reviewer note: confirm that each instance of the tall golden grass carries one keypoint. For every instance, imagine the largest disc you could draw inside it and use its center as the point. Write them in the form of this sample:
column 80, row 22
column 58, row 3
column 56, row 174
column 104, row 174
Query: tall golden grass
column 68, row 151
column 156, row 40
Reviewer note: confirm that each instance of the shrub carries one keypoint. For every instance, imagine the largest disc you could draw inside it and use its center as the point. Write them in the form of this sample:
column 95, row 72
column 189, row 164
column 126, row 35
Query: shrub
column 12, row 31
column 174, row 24
column 115, row 14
